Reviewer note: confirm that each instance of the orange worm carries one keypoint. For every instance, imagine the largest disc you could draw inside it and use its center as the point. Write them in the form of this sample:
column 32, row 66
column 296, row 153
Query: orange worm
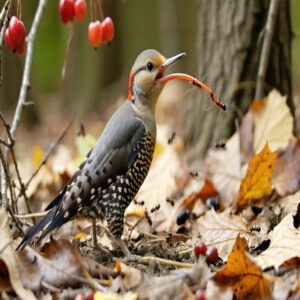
column 197, row 83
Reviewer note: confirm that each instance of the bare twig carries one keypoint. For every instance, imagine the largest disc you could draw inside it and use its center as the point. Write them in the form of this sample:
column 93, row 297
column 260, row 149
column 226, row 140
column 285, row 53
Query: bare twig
column 4, row 12
column 7, row 179
column 266, row 47
column 24, row 87
column 148, row 259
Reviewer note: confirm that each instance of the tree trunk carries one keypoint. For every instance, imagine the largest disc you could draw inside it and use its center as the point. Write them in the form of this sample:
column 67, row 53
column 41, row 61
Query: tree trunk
column 230, row 35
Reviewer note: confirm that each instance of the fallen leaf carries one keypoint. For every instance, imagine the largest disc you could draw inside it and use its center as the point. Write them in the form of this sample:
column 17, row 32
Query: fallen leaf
column 58, row 266
column 38, row 154
column 288, row 204
column 128, row 278
column 258, row 181
column 207, row 190
column 242, row 274
column 273, row 122
column 171, row 285
column 221, row 230
column 285, row 244
column 223, row 169
column 9, row 257
column 286, row 174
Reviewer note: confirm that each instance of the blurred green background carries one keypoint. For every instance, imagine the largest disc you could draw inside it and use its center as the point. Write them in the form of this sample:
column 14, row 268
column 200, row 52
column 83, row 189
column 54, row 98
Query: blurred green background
column 96, row 79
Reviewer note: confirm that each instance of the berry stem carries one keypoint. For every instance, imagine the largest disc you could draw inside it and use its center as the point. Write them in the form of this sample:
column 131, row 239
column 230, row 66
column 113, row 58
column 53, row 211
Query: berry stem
column 67, row 54
column 95, row 10
column 100, row 9
column 91, row 11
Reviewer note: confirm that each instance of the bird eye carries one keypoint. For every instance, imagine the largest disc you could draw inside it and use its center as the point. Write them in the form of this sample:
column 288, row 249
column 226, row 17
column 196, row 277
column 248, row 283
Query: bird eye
column 150, row 66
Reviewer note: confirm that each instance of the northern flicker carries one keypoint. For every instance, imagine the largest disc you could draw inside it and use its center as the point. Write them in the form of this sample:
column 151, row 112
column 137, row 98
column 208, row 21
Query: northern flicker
column 114, row 170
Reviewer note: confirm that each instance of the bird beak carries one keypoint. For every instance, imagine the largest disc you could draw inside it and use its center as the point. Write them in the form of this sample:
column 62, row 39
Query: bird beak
column 166, row 65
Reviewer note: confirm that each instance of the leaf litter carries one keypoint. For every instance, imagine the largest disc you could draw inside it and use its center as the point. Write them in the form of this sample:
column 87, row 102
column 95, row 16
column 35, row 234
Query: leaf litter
column 243, row 203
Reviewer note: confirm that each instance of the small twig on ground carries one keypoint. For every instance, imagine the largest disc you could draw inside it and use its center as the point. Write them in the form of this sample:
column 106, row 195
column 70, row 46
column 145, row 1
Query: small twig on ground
column 148, row 259
column 266, row 48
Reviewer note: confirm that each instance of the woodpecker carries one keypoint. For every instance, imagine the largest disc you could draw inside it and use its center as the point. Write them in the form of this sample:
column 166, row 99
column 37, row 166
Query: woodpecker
column 115, row 168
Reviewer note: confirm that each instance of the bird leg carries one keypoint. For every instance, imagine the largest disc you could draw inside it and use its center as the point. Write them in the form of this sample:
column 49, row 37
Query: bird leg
column 128, row 255
column 94, row 238
column 94, row 233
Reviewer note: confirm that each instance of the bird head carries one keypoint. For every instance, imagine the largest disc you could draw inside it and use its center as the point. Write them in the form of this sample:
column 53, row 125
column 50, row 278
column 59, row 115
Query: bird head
column 146, row 79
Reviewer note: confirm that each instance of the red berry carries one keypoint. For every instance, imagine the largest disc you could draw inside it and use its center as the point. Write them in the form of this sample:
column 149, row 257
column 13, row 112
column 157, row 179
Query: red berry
column 80, row 10
column 21, row 50
column 16, row 33
column 199, row 295
column 200, row 248
column 66, row 10
column 108, row 30
column 95, row 34
column 7, row 40
column 212, row 255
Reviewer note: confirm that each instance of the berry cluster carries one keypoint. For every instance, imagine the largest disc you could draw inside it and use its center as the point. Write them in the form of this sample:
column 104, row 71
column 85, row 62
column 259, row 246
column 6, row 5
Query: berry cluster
column 211, row 253
column 15, row 36
column 68, row 9
column 98, row 32
column 101, row 32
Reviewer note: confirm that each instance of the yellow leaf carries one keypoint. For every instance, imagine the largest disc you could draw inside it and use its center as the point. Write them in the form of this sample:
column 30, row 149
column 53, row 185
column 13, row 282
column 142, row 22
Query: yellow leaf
column 243, row 276
column 38, row 154
column 258, row 181
column 273, row 122
column 159, row 149
column 80, row 235
column 137, row 213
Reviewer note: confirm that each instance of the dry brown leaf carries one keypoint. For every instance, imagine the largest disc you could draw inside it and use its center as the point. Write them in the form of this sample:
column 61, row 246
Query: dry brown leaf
column 207, row 190
column 273, row 123
column 286, row 174
column 258, row 181
column 171, row 285
column 223, row 168
column 9, row 257
column 221, row 230
column 285, row 244
column 243, row 275
column 58, row 266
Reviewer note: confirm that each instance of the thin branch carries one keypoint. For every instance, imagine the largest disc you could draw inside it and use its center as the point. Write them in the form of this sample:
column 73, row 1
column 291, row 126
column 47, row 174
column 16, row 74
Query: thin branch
column 4, row 12
column 25, row 83
column 266, row 48
column 7, row 180
column 26, row 75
